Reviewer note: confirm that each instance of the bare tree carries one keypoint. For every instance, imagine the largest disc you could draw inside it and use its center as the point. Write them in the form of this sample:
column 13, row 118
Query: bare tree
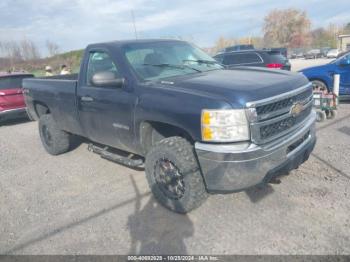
column 326, row 36
column 12, row 51
column 223, row 42
column 52, row 48
column 29, row 50
column 288, row 27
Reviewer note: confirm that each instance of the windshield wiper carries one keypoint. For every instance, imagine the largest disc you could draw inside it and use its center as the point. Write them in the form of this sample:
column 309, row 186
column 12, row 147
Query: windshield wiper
column 202, row 61
column 166, row 65
column 174, row 66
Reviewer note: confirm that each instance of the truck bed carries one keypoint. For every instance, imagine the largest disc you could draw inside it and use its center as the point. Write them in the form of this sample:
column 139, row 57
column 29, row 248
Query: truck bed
column 59, row 93
column 61, row 77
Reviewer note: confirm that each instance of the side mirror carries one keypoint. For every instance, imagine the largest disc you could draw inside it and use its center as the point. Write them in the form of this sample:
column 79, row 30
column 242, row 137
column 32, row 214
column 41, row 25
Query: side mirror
column 107, row 79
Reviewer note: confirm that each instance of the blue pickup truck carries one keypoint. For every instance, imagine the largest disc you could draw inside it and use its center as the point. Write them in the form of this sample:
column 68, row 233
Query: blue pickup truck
column 322, row 76
column 167, row 106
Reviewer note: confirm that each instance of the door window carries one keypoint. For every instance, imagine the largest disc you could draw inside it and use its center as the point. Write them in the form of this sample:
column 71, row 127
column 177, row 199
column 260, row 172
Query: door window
column 99, row 61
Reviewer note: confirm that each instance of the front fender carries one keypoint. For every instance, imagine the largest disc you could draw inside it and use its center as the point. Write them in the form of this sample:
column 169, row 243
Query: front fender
column 175, row 108
column 322, row 73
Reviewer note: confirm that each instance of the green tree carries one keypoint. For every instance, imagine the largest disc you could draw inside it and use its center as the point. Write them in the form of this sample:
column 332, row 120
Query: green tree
column 322, row 37
column 347, row 28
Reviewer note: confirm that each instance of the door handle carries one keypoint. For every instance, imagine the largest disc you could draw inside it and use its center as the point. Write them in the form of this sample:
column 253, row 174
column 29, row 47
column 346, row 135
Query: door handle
column 86, row 99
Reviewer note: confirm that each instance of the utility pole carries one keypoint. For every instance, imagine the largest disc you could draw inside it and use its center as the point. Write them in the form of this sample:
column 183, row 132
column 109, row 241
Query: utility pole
column 133, row 21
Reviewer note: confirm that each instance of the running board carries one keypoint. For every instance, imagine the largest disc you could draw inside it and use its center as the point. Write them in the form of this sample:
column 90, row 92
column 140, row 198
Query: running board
column 106, row 153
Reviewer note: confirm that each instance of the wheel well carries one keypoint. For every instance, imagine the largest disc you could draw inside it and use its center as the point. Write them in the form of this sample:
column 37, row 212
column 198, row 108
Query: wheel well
column 152, row 132
column 41, row 109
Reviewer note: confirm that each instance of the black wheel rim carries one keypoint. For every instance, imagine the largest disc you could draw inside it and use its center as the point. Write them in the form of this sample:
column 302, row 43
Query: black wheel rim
column 46, row 135
column 169, row 179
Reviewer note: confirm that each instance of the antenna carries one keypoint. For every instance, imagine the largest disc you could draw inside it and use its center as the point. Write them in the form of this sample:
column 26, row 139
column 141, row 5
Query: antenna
column 133, row 21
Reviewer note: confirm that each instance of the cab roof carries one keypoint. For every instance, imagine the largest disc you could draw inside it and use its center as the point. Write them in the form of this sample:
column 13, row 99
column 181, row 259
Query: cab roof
column 120, row 43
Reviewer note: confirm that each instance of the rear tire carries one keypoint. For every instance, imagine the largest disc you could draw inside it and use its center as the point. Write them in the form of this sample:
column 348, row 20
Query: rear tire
column 54, row 140
column 174, row 176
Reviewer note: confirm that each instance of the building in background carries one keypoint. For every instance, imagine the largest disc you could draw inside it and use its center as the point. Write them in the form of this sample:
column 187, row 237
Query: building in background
column 344, row 42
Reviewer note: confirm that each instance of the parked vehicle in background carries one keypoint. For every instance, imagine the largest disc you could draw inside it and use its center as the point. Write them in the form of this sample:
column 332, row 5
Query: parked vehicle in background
column 325, row 50
column 282, row 50
column 297, row 54
column 322, row 76
column 333, row 53
column 313, row 54
column 343, row 53
column 11, row 95
column 236, row 48
column 196, row 127
column 260, row 58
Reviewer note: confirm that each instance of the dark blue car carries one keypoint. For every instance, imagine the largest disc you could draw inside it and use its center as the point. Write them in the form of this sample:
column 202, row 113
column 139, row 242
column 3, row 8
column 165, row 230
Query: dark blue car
column 322, row 76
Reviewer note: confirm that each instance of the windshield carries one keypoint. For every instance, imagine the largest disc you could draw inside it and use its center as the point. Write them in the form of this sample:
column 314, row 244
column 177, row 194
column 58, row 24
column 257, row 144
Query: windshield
column 277, row 57
column 157, row 60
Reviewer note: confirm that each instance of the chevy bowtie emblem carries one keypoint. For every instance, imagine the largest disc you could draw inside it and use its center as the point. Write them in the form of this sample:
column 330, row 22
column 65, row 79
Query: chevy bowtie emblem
column 296, row 109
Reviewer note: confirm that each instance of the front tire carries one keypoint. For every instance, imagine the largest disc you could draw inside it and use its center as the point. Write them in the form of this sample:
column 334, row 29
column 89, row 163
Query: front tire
column 54, row 140
column 174, row 176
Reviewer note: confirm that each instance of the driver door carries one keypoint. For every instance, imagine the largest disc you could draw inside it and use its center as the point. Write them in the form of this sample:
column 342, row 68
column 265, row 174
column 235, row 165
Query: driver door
column 106, row 113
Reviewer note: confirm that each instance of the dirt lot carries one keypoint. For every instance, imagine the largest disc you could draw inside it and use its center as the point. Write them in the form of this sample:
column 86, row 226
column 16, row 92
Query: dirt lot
column 78, row 203
column 298, row 64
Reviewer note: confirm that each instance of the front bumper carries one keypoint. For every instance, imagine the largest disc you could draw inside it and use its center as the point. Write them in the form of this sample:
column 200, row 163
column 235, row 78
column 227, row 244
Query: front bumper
column 234, row 167
column 13, row 113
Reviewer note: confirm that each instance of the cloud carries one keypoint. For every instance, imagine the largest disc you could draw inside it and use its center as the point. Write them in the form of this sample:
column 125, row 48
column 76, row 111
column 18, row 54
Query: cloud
column 75, row 23
column 340, row 18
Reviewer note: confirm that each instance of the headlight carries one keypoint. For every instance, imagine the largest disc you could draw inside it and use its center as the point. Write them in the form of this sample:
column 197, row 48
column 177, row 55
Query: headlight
column 224, row 125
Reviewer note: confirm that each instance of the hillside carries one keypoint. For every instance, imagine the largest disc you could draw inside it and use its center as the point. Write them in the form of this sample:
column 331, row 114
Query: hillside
column 71, row 59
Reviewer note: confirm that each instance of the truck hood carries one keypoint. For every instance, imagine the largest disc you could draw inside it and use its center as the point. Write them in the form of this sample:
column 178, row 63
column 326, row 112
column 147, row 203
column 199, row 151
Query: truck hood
column 241, row 84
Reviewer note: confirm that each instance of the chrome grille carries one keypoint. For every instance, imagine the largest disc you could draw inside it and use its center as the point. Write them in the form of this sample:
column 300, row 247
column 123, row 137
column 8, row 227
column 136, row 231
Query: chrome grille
column 272, row 118
column 287, row 102
column 283, row 125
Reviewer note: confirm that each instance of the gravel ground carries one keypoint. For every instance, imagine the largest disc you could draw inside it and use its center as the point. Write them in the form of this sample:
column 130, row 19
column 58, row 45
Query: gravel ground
column 78, row 203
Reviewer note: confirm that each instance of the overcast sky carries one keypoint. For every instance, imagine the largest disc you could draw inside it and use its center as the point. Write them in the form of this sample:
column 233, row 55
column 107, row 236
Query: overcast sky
column 72, row 24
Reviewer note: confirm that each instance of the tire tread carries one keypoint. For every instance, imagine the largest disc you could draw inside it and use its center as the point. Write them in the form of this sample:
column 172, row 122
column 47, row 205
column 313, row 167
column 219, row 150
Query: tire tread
column 185, row 155
column 61, row 139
